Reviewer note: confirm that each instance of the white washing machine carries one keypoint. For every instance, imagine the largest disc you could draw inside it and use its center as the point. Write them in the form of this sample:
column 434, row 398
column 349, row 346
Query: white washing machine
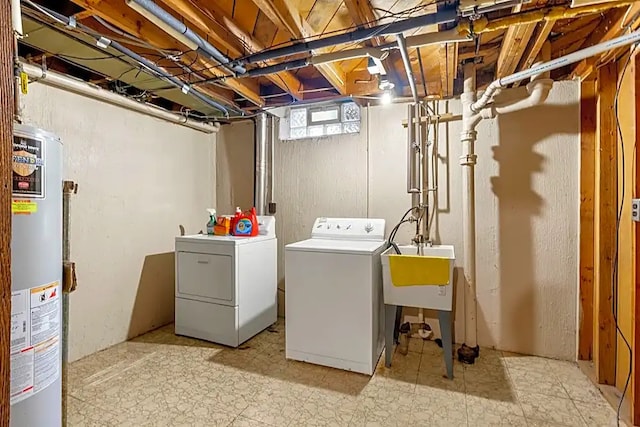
column 334, row 306
column 226, row 286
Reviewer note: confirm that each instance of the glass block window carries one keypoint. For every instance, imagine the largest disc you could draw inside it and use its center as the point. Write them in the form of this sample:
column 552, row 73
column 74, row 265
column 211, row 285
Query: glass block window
column 350, row 112
column 298, row 118
column 322, row 120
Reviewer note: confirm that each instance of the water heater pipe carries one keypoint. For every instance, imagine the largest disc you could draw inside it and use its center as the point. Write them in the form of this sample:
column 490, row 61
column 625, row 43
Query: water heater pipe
column 80, row 87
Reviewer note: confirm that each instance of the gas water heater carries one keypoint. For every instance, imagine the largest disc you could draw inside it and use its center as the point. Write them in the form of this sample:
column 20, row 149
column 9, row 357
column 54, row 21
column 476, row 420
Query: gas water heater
column 36, row 279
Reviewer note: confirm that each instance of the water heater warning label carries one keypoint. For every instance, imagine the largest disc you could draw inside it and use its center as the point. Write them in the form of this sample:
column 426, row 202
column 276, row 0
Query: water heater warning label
column 28, row 167
column 35, row 340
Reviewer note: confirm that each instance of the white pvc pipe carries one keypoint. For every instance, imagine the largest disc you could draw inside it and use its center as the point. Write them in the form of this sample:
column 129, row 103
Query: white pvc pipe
column 572, row 58
column 61, row 81
column 16, row 18
column 468, row 161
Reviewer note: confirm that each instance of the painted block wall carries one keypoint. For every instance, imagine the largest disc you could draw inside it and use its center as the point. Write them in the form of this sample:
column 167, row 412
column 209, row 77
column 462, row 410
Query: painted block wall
column 527, row 199
column 139, row 178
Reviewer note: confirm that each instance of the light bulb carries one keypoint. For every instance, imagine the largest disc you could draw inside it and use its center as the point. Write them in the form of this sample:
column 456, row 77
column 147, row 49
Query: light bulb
column 385, row 99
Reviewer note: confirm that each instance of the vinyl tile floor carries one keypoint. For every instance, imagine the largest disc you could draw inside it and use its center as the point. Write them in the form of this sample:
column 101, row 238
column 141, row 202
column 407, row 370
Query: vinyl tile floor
column 161, row 379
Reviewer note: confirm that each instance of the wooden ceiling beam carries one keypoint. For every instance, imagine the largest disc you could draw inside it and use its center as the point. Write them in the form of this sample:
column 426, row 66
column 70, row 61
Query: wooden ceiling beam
column 534, row 47
column 223, row 30
column 118, row 14
column 362, row 14
column 611, row 26
column 514, row 44
column 285, row 15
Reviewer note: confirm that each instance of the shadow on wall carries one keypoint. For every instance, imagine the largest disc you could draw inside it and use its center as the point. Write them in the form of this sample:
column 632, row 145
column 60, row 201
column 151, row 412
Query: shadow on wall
column 155, row 301
column 518, row 204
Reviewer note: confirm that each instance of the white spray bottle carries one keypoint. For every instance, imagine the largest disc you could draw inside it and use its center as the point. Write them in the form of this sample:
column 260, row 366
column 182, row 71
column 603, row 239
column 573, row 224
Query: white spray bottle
column 212, row 221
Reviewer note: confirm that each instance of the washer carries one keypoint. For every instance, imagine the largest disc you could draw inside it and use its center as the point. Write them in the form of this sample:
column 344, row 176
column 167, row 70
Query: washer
column 333, row 300
column 226, row 286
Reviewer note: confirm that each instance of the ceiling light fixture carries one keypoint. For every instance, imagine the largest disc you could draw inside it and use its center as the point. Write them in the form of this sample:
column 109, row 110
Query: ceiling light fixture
column 385, row 85
column 162, row 25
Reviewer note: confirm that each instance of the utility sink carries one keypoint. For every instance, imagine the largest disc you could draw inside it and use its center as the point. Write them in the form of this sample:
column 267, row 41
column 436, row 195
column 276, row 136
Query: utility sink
column 419, row 280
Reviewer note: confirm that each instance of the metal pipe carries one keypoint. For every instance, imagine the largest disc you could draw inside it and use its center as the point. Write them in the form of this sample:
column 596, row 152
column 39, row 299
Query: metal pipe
column 411, row 132
column 440, row 17
column 545, row 67
column 174, row 81
column 263, row 168
column 407, row 66
column 416, row 197
column 553, row 13
column 424, row 172
column 68, row 188
column 178, row 26
column 427, row 39
column 61, row 81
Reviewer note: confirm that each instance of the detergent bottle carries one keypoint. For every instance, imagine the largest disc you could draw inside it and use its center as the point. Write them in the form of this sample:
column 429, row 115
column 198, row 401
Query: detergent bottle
column 246, row 223
column 212, row 221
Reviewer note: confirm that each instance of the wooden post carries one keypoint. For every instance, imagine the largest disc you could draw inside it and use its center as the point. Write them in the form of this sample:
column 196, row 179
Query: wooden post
column 605, row 338
column 635, row 339
column 588, row 137
column 6, row 153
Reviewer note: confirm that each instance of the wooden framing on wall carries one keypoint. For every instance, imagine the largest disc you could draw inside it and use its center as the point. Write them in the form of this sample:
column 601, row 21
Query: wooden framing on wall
column 607, row 155
column 635, row 339
column 6, row 153
column 588, row 139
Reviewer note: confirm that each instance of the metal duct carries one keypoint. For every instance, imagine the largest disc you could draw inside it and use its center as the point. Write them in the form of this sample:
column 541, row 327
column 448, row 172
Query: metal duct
column 263, row 187
column 203, row 46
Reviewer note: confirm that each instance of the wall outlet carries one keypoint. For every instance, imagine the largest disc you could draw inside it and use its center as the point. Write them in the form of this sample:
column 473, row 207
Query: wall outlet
column 635, row 210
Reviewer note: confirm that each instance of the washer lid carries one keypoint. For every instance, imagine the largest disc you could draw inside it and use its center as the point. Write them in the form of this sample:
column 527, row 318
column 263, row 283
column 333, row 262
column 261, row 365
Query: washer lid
column 337, row 246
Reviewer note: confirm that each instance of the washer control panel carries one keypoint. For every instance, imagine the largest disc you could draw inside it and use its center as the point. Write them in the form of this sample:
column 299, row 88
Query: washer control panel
column 348, row 228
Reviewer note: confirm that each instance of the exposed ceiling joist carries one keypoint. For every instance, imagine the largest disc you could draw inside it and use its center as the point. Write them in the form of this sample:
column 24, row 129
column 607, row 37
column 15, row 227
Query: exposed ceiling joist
column 539, row 38
column 224, row 30
column 611, row 26
column 513, row 46
column 130, row 21
column 287, row 16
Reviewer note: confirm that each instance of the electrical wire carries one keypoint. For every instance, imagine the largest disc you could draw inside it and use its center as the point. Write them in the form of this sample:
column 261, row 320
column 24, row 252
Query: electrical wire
column 616, row 258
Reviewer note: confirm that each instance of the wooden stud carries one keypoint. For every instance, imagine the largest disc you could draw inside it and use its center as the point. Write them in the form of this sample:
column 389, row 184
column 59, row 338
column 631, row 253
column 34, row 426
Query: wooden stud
column 6, row 161
column 605, row 338
column 635, row 339
column 588, row 136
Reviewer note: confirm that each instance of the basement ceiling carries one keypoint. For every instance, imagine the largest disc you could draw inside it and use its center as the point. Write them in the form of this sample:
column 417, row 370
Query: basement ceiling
column 241, row 27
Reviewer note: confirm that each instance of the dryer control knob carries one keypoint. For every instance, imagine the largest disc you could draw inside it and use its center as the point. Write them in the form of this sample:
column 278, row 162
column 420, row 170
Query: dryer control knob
column 368, row 228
